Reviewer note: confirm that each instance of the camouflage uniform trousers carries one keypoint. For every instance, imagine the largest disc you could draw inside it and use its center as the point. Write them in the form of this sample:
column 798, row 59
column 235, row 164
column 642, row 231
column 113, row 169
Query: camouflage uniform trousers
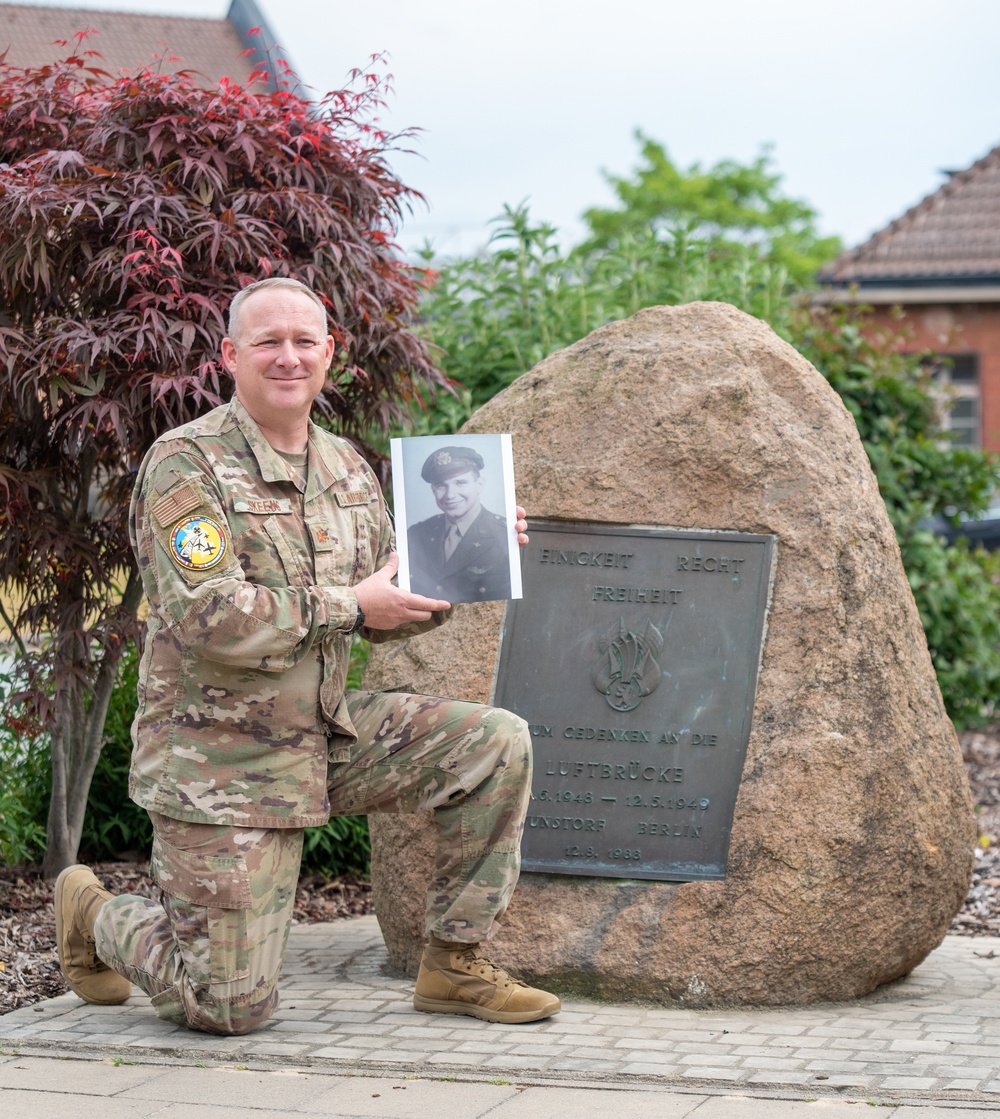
column 211, row 954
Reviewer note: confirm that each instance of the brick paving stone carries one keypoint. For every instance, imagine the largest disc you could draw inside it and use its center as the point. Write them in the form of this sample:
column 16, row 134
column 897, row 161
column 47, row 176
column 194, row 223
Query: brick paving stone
column 299, row 1026
column 732, row 1037
column 590, row 1055
column 775, row 1027
column 647, row 1068
column 632, row 1031
column 682, row 1043
column 588, row 1065
column 546, row 1050
column 158, row 1042
column 691, row 1035
column 951, row 1021
column 423, row 1046
column 978, row 1072
column 837, row 1031
column 395, row 1056
column 909, row 1083
column 750, row 1051
column 409, row 1018
column 461, row 1060
column 777, row 1077
column 335, row 1052
column 906, row 1045
column 974, row 1051
column 481, row 1046
column 296, row 1014
column 561, row 1024
column 848, row 1081
column 376, row 1029
column 523, row 1064
column 699, row 1058
column 710, row 1073
column 460, row 1025
column 665, row 1046
column 833, row 1054
column 357, row 1041
column 836, row 1068
column 278, row 1049
column 574, row 1038
column 308, row 1040
column 905, row 1070
column 953, row 1038
column 773, row 1063
column 881, row 1058
column 422, row 1031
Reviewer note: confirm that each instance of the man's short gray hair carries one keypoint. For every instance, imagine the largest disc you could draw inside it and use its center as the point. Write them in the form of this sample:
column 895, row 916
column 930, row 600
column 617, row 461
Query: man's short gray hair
column 279, row 282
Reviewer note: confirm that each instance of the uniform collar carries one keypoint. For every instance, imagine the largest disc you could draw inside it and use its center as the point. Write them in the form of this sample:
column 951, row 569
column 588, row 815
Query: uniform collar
column 271, row 465
column 324, row 470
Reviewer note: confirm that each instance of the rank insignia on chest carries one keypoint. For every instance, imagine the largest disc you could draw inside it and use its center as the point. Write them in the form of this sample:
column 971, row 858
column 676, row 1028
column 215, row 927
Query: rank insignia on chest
column 353, row 497
column 322, row 538
column 198, row 543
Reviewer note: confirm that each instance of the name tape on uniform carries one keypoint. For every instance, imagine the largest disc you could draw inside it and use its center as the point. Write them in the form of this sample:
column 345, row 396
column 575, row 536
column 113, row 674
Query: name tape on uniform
column 353, row 497
column 262, row 505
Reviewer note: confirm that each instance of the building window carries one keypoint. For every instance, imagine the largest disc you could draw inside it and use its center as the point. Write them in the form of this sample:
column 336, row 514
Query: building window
column 958, row 377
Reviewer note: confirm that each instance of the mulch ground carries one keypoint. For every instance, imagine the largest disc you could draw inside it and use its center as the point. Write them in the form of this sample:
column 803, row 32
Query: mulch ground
column 29, row 971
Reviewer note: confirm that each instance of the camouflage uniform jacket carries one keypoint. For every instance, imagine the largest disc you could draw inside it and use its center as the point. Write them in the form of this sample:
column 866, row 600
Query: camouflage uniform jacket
column 241, row 682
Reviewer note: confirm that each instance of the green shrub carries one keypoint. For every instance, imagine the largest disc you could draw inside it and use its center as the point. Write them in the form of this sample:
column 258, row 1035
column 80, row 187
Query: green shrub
column 497, row 314
column 116, row 827
column 24, row 784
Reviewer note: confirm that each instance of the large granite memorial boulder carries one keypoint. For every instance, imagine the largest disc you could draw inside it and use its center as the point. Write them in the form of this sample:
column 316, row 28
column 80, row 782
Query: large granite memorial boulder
column 853, row 833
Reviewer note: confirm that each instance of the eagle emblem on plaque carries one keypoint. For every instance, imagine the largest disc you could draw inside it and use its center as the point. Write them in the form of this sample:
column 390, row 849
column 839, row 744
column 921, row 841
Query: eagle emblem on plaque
column 628, row 670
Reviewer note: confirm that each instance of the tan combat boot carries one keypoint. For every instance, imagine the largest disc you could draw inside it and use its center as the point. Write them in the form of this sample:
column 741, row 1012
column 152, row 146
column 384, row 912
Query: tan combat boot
column 78, row 900
column 458, row 979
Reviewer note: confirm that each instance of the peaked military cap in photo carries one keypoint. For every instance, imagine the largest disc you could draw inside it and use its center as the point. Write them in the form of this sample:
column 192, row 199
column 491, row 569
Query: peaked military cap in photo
column 446, row 462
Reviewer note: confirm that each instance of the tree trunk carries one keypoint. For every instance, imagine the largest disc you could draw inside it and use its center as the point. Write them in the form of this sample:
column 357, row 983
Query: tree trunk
column 76, row 747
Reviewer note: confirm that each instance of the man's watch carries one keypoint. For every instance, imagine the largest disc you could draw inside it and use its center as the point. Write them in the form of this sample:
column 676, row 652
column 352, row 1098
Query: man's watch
column 359, row 621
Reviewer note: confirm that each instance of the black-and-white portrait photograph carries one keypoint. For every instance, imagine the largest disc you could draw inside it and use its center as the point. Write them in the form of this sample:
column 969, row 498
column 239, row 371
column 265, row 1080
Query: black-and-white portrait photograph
column 455, row 514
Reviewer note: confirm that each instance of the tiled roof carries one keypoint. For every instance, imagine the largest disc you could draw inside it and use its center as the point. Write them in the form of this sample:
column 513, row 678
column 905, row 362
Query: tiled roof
column 953, row 235
column 210, row 47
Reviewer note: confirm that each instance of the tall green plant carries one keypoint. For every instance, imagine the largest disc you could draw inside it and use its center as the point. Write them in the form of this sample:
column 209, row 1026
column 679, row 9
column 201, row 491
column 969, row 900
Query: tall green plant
column 495, row 315
column 24, row 783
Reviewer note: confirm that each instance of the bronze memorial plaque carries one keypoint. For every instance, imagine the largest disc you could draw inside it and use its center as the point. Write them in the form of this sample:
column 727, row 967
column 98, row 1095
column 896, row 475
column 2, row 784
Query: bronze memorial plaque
column 633, row 656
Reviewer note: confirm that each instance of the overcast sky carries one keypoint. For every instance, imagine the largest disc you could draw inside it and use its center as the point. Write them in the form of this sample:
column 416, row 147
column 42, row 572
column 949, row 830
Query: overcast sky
column 864, row 102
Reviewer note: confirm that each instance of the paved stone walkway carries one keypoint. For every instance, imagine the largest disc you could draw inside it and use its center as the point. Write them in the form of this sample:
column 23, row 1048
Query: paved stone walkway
column 931, row 1038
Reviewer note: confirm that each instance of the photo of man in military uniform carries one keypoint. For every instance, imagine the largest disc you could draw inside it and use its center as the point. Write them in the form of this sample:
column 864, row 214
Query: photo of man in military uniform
column 463, row 554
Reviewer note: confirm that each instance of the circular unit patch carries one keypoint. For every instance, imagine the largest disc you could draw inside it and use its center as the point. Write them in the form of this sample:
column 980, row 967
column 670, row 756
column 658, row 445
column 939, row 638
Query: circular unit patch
column 198, row 543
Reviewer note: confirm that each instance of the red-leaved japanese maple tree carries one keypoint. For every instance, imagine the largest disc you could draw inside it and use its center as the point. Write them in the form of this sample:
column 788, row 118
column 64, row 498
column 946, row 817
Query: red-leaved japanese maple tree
column 131, row 210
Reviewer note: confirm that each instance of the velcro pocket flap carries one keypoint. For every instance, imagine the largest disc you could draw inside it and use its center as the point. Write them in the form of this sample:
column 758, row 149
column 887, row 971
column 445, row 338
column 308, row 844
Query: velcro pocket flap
column 214, row 881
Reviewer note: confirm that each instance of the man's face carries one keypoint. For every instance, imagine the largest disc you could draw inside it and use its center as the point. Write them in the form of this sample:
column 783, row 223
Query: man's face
column 458, row 496
column 280, row 359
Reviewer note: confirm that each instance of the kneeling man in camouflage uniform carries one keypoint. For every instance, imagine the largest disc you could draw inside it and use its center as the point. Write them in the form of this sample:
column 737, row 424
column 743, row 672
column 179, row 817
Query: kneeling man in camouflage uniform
column 264, row 543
